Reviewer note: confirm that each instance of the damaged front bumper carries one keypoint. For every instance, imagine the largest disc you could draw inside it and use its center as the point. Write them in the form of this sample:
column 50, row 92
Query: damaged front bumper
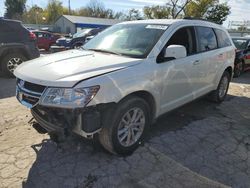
column 85, row 121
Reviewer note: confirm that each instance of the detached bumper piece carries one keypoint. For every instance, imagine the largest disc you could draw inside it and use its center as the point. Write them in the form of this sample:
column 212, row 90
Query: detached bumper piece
column 84, row 122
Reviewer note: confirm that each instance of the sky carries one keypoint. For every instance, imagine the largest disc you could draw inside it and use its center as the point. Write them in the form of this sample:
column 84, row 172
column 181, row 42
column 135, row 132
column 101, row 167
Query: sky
column 239, row 8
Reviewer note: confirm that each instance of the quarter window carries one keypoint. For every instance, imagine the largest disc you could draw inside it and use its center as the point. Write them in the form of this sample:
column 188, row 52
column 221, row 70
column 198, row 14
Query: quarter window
column 206, row 39
column 223, row 40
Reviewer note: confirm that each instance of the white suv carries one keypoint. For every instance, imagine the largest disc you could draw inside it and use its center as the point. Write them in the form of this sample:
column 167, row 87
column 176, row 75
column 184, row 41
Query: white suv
column 118, row 83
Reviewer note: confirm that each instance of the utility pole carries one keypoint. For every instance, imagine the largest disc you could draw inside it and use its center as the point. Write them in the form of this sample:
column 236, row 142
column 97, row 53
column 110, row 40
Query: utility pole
column 69, row 7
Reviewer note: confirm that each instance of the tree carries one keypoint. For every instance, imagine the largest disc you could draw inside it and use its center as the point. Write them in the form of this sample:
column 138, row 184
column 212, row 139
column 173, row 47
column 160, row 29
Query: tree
column 156, row 12
column 34, row 15
column 54, row 9
column 96, row 8
column 133, row 14
column 14, row 8
column 198, row 8
column 218, row 13
column 177, row 7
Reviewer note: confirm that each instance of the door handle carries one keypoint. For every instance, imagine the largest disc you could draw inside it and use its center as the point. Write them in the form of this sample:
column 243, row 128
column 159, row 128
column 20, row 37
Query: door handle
column 197, row 62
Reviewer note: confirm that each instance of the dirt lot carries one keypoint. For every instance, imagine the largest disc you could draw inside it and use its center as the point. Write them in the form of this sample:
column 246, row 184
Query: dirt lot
column 199, row 145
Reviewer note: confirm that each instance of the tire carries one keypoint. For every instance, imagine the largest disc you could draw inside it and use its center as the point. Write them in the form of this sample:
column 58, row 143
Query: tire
column 77, row 45
column 239, row 69
column 220, row 93
column 109, row 138
column 14, row 58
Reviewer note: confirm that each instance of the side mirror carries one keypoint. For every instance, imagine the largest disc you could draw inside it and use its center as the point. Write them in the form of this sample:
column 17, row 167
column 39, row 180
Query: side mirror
column 175, row 52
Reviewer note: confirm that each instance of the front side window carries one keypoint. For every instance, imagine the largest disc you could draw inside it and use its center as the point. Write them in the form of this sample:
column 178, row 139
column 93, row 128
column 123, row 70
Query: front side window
column 185, row 37
column 206, row 39
column 223, row 40
column 134, row 40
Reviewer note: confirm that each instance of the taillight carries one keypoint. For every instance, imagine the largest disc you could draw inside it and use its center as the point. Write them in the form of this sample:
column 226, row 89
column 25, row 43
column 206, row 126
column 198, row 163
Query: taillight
column 32, row 36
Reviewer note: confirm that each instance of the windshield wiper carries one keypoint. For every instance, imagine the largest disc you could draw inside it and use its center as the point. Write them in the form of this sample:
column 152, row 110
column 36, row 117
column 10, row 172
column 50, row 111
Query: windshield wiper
column 105, row 51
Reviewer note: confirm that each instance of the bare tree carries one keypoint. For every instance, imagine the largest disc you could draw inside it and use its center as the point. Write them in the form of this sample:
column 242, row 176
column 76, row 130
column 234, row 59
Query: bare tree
column 177, row 6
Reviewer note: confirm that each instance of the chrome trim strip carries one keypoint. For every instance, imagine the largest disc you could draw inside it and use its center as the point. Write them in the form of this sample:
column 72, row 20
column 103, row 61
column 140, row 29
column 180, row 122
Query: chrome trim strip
column 28, row 91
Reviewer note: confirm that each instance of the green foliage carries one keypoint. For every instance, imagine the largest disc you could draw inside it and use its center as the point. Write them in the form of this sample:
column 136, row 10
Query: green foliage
column 133, row 14
column 34, row 15
column 156, row 12
column 211, row 10
column 218, row 13
column 198, row 8
column 14, row 8
column 54, row 10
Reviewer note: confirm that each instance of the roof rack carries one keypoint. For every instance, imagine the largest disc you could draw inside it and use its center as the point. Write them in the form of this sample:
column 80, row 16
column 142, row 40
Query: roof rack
column 194, row 18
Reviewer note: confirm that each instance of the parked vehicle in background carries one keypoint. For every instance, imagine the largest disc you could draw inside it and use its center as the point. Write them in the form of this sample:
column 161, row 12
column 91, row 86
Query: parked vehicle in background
column 89, row 38
column 45, row 39
column 242, row 59
column 124, row 78
column 78, row 39
column 17, row 44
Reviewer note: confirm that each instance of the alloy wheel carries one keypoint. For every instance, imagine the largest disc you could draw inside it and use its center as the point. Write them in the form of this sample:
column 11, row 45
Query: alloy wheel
column 13, row 63
column 131, row 127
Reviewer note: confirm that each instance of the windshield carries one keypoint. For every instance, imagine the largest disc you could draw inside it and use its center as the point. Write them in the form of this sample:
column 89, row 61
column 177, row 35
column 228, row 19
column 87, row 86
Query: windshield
column 240, row 44
column 134, row 40
column 81, row 33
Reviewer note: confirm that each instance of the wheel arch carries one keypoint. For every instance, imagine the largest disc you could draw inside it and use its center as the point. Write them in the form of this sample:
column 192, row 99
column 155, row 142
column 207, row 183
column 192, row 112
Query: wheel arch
column 148, row 97
column 7, row 51
column 229, row 69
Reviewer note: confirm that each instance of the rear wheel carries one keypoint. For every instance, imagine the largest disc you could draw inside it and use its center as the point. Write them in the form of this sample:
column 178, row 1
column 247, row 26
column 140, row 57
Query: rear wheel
column 220, row 93
column 10, row 63
column 125, row 127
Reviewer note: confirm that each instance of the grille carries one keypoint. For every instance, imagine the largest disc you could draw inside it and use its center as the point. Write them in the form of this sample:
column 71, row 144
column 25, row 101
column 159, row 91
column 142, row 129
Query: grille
column 28, row 93
column 32, row 87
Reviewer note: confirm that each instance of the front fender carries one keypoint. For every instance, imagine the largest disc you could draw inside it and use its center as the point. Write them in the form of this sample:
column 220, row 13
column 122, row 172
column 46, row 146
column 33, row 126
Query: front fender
column 117, row 85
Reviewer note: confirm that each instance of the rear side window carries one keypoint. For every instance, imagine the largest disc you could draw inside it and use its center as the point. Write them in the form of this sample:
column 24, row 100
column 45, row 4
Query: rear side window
column 206, row 39
column 5, row 27
column 223, row 40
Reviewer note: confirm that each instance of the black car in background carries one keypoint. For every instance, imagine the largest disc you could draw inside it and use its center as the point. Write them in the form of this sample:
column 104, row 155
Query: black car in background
column 242, row 59
column 78, row 39
column 17, row 44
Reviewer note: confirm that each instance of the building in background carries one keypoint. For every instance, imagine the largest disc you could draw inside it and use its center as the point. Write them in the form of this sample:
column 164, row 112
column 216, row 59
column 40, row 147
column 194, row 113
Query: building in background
column 72, row 24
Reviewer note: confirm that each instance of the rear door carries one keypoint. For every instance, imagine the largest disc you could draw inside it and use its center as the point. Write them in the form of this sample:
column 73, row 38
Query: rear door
column 211, row 59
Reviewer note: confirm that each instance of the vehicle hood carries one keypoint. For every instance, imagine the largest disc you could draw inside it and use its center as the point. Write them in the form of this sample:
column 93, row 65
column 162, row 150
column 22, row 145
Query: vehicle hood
column 65, row 69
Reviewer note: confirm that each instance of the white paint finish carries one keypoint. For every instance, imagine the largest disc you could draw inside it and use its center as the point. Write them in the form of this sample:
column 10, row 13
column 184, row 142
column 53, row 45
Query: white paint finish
column 66, row 68
column 175, row 51
column 172, row 83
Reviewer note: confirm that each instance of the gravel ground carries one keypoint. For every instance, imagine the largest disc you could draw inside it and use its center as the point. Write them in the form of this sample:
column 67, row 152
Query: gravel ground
column 199, row 145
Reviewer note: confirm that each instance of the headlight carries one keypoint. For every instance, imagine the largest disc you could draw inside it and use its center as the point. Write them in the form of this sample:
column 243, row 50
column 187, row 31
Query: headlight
column 68, row 97
column 68, row 40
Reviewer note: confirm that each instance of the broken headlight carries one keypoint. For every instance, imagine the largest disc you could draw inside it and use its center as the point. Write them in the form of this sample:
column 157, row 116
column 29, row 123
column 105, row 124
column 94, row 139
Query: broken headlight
column 68, row 97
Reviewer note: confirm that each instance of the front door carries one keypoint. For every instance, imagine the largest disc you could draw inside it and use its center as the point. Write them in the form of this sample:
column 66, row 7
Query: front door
column 179, row 76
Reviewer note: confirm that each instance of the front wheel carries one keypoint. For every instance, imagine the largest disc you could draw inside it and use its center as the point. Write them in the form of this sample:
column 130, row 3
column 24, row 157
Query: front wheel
column 125, row 127
column 220, row 93
column 10, row 63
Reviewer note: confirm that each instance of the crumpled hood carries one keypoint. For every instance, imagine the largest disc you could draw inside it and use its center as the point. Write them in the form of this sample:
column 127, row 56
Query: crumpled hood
column 65, row 69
